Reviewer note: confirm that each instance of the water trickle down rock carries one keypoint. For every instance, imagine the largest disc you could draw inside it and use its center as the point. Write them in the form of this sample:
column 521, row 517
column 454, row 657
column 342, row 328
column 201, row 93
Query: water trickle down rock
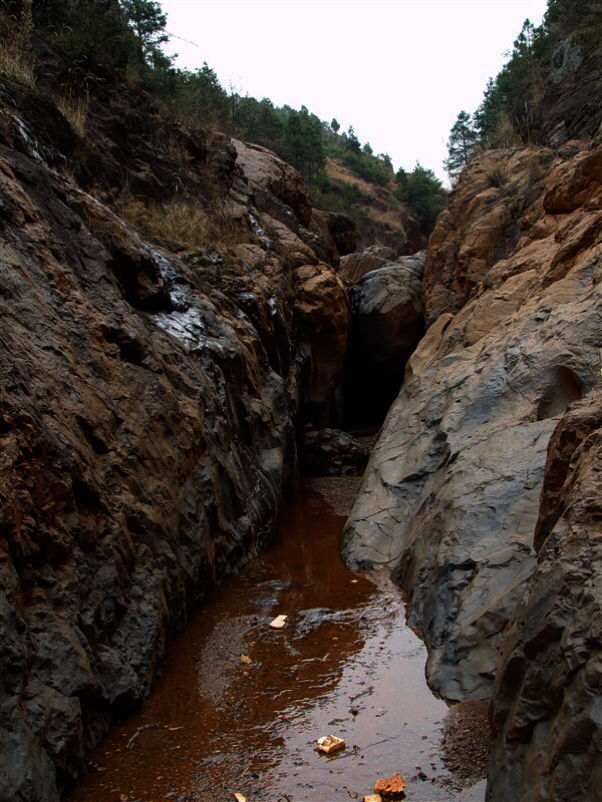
column 146, row 438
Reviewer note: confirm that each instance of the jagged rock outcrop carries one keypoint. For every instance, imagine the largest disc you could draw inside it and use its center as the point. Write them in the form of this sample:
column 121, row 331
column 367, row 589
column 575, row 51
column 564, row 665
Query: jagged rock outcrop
column 147, row 430
column 568, row 102
column 274, row 180
column 546, row 707
column 386, row 324
column 450, row 498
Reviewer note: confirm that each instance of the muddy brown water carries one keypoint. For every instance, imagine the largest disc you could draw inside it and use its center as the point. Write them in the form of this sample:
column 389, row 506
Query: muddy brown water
column 344, row 664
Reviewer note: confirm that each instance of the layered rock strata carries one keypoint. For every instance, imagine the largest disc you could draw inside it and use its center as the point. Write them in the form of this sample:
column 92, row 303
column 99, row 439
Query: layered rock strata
column 147, row 430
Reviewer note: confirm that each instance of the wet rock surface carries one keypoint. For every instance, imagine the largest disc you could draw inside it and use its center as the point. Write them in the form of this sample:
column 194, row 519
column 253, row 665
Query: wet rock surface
column 146, row 433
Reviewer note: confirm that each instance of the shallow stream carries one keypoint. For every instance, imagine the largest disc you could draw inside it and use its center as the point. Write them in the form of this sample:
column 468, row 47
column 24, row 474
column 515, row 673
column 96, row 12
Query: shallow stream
column 345, row 664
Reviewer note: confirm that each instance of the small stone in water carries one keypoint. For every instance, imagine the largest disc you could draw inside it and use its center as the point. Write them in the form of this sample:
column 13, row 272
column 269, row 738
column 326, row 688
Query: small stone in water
column 279, row 622
column 390, row 787
column 245, row 659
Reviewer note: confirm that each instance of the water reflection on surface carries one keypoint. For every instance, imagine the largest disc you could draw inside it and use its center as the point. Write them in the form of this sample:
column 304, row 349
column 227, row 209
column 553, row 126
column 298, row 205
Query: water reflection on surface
column 344, row 664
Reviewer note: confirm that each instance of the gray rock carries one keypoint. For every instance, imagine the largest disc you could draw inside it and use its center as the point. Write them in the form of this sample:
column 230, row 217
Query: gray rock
column 450, row 498
column 332, row 452
column 547, row 700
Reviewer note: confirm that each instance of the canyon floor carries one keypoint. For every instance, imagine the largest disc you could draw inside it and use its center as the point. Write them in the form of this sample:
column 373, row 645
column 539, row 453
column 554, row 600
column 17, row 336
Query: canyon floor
column 345, row 664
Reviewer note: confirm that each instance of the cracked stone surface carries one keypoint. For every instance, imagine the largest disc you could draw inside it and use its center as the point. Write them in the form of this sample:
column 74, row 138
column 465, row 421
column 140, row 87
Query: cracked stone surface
column 451, row 495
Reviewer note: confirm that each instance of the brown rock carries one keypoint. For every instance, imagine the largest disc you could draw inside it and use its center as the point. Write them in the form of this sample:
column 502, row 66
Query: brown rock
column 265, row 172
column 342, row 230
column 322, row 320
column 390, row 787
column 576, row 185
column 481, row 226
column 355, row 265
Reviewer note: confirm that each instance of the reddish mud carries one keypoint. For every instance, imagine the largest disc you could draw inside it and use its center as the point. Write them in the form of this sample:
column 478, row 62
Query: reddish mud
column 345, row 664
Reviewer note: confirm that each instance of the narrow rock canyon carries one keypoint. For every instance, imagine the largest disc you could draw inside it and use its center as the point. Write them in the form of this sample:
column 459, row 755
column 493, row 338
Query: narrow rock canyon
column 182, row 336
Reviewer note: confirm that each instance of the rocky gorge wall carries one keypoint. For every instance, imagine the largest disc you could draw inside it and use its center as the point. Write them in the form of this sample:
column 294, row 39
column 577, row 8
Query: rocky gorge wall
column 150, row 396
column 482, row 494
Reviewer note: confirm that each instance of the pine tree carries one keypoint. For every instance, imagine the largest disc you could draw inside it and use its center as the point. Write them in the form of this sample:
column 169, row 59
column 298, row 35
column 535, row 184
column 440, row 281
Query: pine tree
column 460, row 145
column 148, row 22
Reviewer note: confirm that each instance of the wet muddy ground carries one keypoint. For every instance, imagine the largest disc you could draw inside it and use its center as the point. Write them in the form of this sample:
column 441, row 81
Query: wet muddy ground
column 344, row 664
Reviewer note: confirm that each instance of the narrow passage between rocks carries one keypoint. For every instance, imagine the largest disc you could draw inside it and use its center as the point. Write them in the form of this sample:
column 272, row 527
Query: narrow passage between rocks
column 240, row 706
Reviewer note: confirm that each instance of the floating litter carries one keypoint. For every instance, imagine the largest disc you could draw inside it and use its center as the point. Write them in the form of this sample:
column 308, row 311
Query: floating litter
column 329, row 744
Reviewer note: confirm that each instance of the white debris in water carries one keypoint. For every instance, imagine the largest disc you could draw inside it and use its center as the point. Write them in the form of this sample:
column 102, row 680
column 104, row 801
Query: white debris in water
column 29, row 140
column 259, row 232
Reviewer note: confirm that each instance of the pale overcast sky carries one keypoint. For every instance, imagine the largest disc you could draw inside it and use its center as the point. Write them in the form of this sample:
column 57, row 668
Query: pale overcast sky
column 398, row 71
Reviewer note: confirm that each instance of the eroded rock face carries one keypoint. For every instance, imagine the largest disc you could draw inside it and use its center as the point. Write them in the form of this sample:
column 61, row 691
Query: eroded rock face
column 386, row 324
column 270, row 177
column 546, row 706
column 451, row 495
column 339, row 228
column 146, row 438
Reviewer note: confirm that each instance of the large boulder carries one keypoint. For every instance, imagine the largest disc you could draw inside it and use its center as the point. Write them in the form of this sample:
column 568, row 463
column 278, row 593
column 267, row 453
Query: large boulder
column 333, row 452
column 386, row 325
column 322, row 328
column 451, row 495
column 355, row 265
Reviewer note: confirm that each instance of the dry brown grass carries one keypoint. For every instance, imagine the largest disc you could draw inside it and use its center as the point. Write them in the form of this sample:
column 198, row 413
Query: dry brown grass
column 506, row 135
column 338, row 172
column 497, row 172
column 75, row 111
column 16, row 56
column 177, row 151
column 184, row 221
